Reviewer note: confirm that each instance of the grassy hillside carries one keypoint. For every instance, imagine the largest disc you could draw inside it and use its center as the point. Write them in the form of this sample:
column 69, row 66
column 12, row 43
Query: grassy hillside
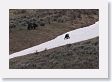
column 81, row 55
column 56, row 22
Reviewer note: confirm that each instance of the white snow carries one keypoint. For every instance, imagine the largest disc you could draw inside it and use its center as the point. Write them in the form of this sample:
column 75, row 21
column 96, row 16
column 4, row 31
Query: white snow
column 77, row 35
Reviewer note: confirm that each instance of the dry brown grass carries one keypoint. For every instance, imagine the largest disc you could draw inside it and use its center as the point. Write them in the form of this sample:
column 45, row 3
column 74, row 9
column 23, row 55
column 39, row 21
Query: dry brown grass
column 81, row 55
column 20, row 38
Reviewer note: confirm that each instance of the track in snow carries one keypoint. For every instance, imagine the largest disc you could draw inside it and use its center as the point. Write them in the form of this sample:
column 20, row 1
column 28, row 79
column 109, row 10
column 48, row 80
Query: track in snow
column 77, row 35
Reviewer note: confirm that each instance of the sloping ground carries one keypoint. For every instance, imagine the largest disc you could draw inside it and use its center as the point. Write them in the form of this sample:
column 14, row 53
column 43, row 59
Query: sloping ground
column 20, row 38
column 75, row 36
column 81, row 55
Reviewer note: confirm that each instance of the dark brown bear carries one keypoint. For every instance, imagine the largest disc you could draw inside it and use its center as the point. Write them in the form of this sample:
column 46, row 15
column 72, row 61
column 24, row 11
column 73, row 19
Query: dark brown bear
column 67, row 36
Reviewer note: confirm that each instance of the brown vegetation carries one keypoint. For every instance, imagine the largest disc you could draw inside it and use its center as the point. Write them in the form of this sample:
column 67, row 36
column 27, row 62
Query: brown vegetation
column 51, row 23
column 81, row 55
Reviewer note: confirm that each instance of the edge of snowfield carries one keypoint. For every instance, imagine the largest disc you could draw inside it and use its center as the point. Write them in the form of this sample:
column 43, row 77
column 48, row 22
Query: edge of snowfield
column 77, row 35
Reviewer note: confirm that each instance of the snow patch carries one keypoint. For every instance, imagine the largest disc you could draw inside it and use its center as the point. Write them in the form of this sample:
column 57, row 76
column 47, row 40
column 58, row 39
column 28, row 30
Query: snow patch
column 77, row 35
